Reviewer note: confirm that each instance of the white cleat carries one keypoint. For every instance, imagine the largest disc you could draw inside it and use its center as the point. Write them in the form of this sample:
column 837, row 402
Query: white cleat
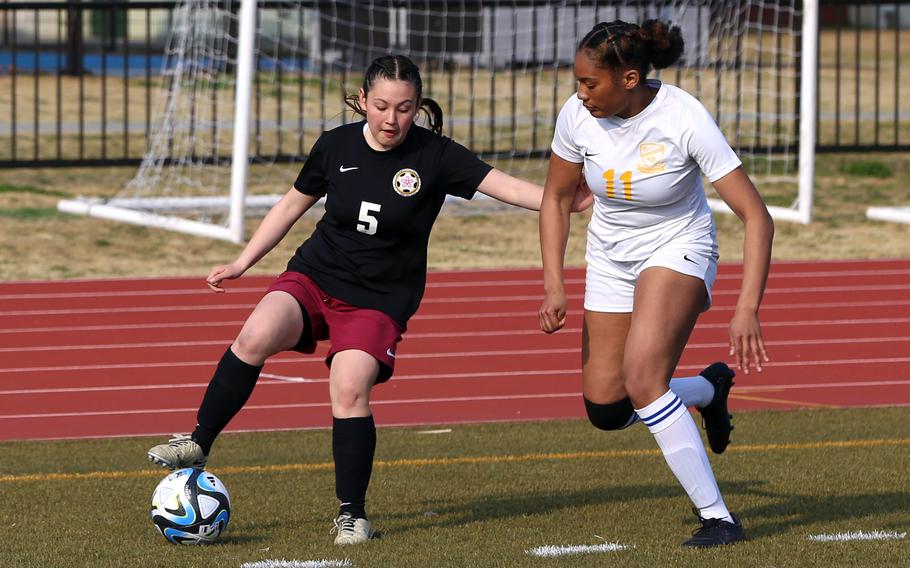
column 350, row 530
column 180, row 451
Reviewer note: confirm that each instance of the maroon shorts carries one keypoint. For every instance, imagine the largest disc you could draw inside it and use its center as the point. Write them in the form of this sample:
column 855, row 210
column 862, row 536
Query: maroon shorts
column 345, row 326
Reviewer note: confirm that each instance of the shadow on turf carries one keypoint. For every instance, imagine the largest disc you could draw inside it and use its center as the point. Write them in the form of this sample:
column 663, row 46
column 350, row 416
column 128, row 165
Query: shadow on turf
column 781, row 516
column 489, row 508
column 789, row 511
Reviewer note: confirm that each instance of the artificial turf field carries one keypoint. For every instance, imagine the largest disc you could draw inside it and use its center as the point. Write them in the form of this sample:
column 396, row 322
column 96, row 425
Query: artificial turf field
column 481, row 495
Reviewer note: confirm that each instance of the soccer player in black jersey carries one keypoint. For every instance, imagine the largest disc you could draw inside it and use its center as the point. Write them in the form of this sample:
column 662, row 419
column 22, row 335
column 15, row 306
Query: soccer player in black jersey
column 358, row 278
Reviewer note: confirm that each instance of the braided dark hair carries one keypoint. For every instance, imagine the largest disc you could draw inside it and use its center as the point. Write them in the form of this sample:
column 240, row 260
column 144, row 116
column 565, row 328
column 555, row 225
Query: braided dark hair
column 398, row 68
column 621, row 45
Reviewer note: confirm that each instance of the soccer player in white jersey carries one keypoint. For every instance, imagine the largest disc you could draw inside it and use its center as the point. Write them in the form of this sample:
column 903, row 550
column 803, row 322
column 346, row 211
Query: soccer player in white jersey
column 642, row 147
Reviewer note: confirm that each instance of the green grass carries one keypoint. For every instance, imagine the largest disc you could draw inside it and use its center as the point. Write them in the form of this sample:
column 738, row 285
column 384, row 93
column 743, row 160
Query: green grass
column 867, row 168
column 12, row 188
column 479, row 496
column 30, row 213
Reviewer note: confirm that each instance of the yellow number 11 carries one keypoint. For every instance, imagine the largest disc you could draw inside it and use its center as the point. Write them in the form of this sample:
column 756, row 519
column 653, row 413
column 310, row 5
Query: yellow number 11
column 625, row 177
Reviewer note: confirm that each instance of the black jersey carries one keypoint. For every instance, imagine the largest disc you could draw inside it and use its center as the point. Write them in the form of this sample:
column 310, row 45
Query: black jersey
column 370, row 247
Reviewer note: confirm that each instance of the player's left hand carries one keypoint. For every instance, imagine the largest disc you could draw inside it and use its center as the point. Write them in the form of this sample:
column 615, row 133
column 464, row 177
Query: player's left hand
column 746, row 343
column 583, row 196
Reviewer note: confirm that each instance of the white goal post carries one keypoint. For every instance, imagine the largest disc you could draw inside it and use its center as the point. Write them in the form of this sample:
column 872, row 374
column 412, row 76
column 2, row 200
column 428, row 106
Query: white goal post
column 245, row 92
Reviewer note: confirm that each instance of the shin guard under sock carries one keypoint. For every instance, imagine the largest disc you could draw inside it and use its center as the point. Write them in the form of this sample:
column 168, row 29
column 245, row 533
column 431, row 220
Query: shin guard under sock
column 228, row 391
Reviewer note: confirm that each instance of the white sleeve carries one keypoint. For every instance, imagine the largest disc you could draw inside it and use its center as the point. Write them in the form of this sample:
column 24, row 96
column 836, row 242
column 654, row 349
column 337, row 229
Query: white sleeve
column 708, row 146
column 564, row 144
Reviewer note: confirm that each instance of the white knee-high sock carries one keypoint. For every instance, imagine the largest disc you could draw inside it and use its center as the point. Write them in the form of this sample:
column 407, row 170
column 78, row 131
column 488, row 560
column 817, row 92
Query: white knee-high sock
column 694, row 391
column 676, row 434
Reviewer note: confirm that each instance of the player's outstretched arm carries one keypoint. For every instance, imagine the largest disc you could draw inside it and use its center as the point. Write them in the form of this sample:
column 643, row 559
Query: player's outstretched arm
column 515, row 191
column 560, row 190
column 274, row 226
column 746, row 343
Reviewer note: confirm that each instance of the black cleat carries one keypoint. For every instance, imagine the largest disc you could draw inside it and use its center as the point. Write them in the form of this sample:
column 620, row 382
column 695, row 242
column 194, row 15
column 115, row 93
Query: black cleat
column 716, row 419
column 715, row 532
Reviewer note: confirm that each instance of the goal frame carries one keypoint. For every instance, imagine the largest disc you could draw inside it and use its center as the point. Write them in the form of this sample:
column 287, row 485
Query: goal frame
column 141, row 211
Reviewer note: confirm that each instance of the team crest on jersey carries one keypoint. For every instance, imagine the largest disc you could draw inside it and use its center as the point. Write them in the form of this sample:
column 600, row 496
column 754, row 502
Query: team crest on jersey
column 406, row 182
column 651, row 158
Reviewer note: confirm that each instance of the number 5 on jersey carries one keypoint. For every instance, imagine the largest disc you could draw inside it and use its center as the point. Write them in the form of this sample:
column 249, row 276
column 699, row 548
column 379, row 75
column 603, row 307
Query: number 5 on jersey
column 366, row 222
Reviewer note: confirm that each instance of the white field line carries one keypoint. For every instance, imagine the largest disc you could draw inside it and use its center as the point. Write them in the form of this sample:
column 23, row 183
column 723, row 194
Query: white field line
column 858, row 535
column 297, row 564
column 552, row 551
column 477, row 315
column 453, row 335
column 299, row 360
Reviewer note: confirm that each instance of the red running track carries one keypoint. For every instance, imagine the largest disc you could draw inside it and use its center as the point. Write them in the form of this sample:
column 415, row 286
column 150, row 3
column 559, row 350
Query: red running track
column 105, row 358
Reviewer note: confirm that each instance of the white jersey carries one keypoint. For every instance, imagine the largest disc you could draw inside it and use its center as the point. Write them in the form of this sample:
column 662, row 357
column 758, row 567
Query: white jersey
column 645, row 172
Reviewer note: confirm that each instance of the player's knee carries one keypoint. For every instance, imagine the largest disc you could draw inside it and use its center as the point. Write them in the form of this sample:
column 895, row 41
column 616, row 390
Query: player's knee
column 611, row 416
column 348, row 397
column 255, row 344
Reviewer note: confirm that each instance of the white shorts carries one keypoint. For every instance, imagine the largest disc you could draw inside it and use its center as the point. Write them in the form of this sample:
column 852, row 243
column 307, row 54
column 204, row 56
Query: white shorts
column 610, row 287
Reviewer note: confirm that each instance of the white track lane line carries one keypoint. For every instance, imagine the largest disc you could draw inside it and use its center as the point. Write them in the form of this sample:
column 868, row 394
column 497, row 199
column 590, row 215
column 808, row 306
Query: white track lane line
column 276, row 380
column 302, row 405
column 414, row 336
column 479, row 315
column 473, row 285
column 287, row 406
column 509, row 283
column 300, row 360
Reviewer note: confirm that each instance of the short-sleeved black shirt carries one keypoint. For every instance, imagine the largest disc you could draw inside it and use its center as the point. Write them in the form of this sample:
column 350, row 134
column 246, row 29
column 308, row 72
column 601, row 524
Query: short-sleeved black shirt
column 370, row 247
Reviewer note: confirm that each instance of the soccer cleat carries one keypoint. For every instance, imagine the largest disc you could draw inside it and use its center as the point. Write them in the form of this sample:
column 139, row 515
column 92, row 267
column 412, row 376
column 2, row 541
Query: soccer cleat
column 716, row 419
column 351, row 530
column 180, row 451
column 716, row 532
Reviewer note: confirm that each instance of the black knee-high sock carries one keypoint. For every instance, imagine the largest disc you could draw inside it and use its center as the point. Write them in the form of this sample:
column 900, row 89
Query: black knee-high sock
column 353, row 446
column 226, row 394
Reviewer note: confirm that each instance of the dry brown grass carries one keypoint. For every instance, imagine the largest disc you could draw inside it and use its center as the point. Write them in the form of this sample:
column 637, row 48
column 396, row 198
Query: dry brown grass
column 39, row 243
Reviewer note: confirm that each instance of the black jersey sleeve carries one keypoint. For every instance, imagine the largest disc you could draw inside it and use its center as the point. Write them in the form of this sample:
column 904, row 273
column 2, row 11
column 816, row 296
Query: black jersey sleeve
column 313, row 179
column 462, row 171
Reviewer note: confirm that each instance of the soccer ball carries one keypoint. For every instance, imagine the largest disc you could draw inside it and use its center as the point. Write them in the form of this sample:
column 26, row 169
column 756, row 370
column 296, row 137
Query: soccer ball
column 191, row 506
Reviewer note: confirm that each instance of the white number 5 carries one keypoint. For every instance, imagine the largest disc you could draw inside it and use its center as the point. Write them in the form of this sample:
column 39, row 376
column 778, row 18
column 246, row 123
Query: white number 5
column 367, row 223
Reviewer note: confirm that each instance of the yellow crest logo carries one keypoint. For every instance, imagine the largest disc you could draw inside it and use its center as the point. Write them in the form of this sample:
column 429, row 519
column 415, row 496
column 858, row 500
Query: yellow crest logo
column 406, row 182
column 651, row 158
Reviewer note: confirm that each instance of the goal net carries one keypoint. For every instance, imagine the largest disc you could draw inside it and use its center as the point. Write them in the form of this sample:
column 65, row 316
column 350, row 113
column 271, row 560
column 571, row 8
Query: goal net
column 246, row 88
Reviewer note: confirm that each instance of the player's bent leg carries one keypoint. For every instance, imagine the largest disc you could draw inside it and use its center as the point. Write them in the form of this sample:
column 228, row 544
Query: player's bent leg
column 667, row 306
column 351, row 377
column 275, row 325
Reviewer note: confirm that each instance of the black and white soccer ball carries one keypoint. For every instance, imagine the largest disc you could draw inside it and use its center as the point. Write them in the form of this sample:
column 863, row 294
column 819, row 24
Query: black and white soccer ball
column 191, row 506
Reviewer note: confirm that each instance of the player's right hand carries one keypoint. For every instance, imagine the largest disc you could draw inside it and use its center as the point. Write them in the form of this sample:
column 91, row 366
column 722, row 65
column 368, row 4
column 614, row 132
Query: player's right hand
column 221, row 273
column 552, row 312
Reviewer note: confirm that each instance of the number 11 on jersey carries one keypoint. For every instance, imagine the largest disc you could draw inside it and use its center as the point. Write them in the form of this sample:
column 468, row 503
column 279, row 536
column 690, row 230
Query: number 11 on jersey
column 625, row 177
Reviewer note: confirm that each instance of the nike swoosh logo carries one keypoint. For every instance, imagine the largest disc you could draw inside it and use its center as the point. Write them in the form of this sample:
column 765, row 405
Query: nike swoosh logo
column 343, row 169
column 686, row 257
column 389, row 353
column 587, row 155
